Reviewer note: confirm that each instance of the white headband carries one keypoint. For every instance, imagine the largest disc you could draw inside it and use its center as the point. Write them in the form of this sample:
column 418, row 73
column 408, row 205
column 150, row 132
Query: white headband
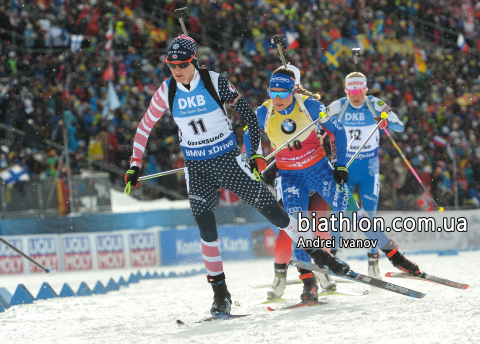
column 296, row 71
column 356, row 83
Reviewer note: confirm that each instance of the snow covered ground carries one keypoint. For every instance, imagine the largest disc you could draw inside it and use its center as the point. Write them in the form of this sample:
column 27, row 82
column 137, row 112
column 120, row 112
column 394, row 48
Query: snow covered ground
column 147, row 312
column 122, row 203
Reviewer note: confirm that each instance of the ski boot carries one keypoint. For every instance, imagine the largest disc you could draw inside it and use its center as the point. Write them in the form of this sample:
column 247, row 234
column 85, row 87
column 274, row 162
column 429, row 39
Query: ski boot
column 337, row 266
column 279, row 283
column 310, row 286
column 326, row 281
column 373, row 269
column 399, row 261
column 222, row 300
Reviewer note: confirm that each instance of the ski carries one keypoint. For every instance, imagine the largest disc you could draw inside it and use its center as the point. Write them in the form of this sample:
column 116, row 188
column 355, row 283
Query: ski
column 266, row 302
column 299, row 305
column 217, row 317
column 353, row 276
column 341, row 292
column 428, row 278
column 290, row 282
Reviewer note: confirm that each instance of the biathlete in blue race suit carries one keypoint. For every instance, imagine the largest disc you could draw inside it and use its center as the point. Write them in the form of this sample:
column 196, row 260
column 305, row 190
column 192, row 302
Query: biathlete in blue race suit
column 359, row 114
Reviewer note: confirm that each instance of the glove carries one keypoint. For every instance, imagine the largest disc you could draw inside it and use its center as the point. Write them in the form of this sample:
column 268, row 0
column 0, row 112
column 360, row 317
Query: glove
column 340, row 175
column 384, row 124
column 257, row 165
column 131, row 178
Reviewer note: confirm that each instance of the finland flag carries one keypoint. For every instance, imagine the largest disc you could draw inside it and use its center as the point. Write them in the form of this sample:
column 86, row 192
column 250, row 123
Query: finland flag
column 14, row 174
column 76, row 43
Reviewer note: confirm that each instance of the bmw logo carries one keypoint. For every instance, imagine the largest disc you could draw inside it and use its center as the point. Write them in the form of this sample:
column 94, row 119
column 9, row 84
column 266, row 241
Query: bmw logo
column 288, row 126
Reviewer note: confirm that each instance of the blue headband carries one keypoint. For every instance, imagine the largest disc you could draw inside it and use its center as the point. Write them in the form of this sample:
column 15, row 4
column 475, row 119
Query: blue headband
column 282, row 81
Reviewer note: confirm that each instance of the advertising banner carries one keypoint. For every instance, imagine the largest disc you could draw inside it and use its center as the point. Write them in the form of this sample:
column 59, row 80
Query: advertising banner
column 142, row 249
column 10, row 261
column 235, row 243
column 45, row 250
column 110, row 250
column 77, row 252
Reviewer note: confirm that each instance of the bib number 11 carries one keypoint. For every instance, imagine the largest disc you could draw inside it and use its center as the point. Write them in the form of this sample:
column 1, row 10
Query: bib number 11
column 198, row 125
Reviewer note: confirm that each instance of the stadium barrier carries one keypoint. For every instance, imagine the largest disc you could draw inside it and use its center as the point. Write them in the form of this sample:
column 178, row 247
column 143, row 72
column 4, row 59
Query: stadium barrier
column 156, row 247
column 22, row 296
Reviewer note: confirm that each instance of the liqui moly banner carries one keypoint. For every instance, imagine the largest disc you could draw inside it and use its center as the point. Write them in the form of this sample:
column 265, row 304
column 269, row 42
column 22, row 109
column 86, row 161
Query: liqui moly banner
column 110, row 250
column 77, row 252
column 142, row 249
column 10, row 261
column 45, row 250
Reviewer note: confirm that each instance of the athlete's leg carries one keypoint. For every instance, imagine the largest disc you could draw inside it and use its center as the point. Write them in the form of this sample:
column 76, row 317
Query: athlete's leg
column 369, row 189
column 202, row 195
column 342, row 200
column 295, row 199
column 234, row 175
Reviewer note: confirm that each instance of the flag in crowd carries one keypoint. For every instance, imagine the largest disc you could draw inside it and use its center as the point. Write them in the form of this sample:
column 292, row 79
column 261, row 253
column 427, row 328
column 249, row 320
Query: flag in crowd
column 109, row 36
column 424, row 203
column 462, row 44
column 439, row 141
column 420, row 60
column 15, row 173
column 76, row 43
column 112, row 102
column 292, row 41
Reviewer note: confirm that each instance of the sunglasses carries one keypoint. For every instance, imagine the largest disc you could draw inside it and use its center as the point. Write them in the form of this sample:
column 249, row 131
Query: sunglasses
column 281, row 94
column 181, row 65
column 358, row 92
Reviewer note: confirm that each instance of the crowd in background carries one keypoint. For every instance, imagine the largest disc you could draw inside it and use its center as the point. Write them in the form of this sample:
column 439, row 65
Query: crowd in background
column 45, row 94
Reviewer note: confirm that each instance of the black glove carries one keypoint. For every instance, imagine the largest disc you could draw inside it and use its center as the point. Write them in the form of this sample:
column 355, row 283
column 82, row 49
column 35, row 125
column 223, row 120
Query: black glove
column 131, row 178
column 340, row 174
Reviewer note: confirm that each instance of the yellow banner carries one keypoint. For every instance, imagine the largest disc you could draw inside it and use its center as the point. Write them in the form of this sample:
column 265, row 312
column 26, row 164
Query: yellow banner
column 390, row 46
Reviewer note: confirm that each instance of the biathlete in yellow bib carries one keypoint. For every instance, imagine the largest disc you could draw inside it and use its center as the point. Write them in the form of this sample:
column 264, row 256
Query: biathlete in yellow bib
column 303, row 168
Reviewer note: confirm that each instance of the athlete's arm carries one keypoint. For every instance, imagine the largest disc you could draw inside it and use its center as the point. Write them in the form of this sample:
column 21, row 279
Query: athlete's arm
column 261, row 113
column 334, row 109
column 380, row 106
column 157, row 108
column 336, row 131
column 231, row 97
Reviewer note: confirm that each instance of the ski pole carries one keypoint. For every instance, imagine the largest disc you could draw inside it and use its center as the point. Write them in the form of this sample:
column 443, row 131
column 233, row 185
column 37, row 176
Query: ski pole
column 383, row 116
column 440, row 209
column 179, row 13
column 26, row 256
column 288, row 142
column 273, row 162
column 161, row 174
column 354, row 136
column 279, row 41
column 355, row 52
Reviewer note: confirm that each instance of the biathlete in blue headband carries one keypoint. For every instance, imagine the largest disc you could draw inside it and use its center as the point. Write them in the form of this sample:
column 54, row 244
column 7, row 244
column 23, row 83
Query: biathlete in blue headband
column 303, row 167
